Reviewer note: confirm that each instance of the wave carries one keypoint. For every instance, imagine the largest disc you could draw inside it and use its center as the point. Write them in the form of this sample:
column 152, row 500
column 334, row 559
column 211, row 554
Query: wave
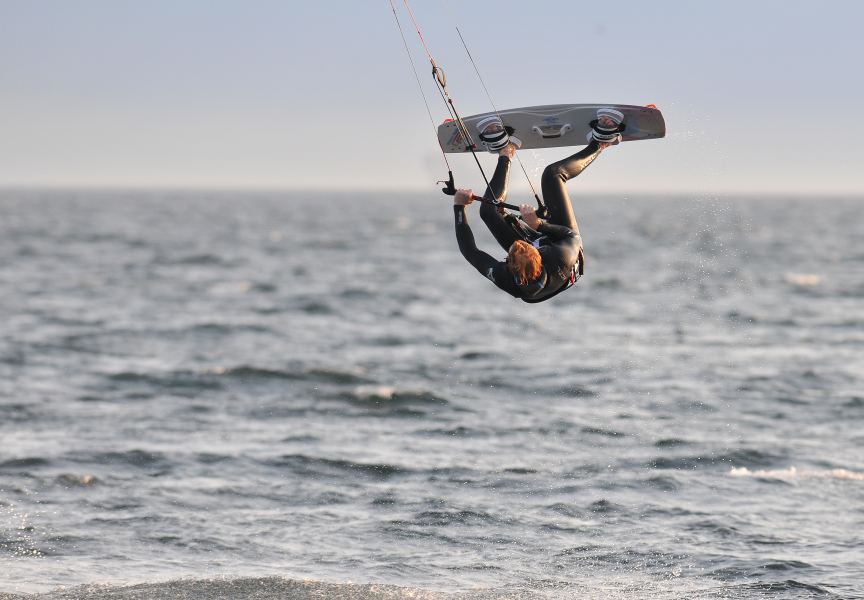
column 176, row 380
column 214, row 378
column 356, row 293
column 20, row 463
column 795, row 473
column 245, row 372
column 855, row 402
column 665, row 484
column 260, row 588
column 573, row 391
column 313, row 306
column 333, row 376
column 317, row 466
column 191, row 259
column 670, row 443
column 384, row 394
column 604, row 506
column 602, row 432
column 781, row 589
column 220, row 328
column 750, row 458
column 141, row 459
column 69, row 480
column 480, row 355
column 609, row 283
column 444, row 518
column 388, row 401
column 388, row 341
column 455, row 432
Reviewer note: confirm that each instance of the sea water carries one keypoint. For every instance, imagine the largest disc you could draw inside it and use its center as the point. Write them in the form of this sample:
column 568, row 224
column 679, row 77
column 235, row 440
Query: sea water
column 285, row 395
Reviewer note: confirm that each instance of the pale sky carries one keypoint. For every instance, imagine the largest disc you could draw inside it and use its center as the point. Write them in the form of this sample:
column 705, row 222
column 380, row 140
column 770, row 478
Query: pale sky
column 759, row 95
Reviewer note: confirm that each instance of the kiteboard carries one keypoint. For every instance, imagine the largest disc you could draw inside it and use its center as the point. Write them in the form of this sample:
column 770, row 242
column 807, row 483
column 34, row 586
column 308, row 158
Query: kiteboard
column 555, row 125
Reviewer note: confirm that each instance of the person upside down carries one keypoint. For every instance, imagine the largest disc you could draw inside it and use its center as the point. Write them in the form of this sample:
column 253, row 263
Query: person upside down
column 544, row 257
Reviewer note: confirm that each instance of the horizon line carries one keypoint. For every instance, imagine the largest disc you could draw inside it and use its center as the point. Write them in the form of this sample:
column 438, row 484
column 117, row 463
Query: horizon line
column 277, row 189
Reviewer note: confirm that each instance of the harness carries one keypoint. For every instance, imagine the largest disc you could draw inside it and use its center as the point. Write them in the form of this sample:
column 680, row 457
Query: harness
column 525, row 233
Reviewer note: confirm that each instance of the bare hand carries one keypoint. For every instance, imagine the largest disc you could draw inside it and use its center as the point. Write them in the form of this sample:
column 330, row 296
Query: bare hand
column 529, row 215
column 463, row 197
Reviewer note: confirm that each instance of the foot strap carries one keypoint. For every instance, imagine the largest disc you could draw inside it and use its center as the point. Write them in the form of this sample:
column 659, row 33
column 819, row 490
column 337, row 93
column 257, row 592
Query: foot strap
column 607, row 134
column 493, row 134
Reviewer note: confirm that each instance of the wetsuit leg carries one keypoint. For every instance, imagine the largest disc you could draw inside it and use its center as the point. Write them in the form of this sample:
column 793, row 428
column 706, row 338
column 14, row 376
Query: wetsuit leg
column 497, row 189
column 554, row 180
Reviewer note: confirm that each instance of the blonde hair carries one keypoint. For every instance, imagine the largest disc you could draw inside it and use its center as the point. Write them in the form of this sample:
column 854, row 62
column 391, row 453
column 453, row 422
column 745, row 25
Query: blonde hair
column 523, row 261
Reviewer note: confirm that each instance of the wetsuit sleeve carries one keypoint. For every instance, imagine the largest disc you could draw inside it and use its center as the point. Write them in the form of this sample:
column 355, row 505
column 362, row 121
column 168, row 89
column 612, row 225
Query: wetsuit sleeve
column 490, row 268
column 497, row 188
column 555, row 232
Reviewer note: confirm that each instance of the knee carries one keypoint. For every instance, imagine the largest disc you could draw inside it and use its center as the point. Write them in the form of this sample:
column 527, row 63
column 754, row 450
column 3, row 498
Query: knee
column 487, row 211
column 553, row 172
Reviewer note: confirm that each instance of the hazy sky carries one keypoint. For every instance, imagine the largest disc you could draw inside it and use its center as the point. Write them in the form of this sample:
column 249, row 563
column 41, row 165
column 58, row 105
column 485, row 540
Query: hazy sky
column 758, row 95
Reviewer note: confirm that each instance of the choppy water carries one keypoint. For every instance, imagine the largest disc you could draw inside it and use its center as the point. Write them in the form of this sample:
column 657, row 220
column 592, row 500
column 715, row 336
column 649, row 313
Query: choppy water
column 277, row 396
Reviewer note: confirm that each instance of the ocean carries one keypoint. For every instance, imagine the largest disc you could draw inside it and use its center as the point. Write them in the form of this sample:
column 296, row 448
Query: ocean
column 289, row 395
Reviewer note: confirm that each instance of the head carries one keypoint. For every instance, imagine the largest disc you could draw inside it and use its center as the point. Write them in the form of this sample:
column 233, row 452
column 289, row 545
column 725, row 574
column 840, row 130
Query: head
column 523, row 260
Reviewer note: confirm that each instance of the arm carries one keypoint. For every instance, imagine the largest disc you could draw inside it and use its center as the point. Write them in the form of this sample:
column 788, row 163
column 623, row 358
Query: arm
column 555, row 232
column 550, row 230
column 497, row 189
column 490, row 268
column 467, row 246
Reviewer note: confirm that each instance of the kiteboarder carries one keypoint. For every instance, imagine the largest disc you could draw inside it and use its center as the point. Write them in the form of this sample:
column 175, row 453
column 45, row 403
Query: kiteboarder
column 544, row 256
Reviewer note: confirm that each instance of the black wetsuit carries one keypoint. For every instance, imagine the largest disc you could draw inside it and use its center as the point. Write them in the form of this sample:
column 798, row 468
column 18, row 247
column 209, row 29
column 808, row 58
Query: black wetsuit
column 557, row 239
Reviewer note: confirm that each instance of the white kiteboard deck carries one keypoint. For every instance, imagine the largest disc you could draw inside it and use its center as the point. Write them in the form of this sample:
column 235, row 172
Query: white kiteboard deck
column 555, row 125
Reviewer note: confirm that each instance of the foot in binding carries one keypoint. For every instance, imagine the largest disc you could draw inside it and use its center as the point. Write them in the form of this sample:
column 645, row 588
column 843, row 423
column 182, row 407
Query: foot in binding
column 495, row 136
column 607, row 127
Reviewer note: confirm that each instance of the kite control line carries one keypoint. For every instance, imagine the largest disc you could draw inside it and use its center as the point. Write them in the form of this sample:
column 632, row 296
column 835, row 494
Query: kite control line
column 441, row 83
column 541, row 207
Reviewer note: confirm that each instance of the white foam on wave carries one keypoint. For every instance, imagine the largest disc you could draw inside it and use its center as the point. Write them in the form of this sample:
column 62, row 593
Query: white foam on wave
column 275, row 588
column 375, row 392
column 264, row 588
column 230, row 288
column 795, row 473
column 803, row 279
